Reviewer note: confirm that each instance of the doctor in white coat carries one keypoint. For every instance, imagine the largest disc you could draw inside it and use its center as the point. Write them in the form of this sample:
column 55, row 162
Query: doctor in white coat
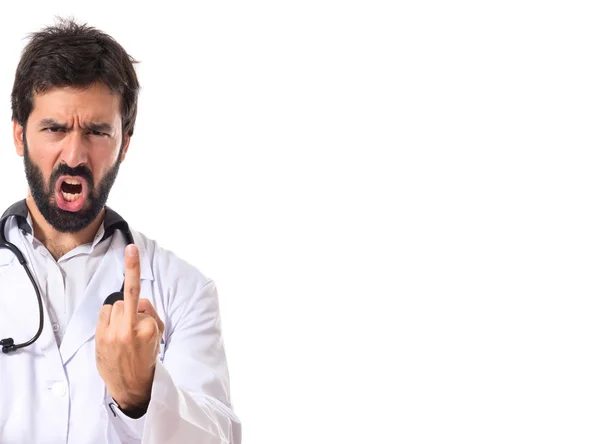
column 150, row 368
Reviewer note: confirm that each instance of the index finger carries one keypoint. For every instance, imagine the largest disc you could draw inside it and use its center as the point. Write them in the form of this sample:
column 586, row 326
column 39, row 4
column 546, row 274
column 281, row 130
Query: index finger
column 131, row 290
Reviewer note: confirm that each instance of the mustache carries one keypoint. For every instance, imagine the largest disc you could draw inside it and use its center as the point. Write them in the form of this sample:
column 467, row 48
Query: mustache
column 65, row 170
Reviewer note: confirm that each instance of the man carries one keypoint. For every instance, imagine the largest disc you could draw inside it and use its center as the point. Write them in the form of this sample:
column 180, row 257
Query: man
column 148, row 368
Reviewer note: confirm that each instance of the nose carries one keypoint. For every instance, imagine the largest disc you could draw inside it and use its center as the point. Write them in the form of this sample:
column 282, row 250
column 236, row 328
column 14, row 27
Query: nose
column 74, row 149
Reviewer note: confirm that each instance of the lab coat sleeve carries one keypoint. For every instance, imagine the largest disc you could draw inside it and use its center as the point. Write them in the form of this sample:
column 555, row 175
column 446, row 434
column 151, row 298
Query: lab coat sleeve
column 128, row 430
column 190, row 393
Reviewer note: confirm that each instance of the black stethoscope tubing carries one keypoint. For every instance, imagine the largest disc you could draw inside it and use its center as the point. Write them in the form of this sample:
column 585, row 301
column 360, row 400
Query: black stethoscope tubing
column 8, row 344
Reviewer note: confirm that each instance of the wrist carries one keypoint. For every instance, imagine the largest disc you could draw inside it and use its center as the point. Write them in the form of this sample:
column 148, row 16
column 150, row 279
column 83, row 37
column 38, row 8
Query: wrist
column 131, row 402
column 134, row 396
column 133, row 410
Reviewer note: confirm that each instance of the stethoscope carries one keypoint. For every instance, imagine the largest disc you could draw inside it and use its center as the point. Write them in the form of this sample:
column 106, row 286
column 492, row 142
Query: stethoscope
column 117, row 223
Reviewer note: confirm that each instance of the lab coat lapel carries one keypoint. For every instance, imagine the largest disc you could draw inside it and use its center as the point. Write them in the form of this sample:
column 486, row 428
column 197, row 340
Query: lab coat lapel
column 19, row 304
column 19, row 308
column 107, row 279
column 6, row 257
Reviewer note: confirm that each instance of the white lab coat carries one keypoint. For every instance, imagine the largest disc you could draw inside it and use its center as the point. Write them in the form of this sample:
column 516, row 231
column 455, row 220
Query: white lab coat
column 51, row 394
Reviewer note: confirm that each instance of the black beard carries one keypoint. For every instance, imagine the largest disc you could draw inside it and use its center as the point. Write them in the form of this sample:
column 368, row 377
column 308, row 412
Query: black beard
column 61, row 220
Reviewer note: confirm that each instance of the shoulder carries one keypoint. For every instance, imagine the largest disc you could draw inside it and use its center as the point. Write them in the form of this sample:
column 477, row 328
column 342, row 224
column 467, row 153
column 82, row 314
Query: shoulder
column 180, row 292
column 165, row 266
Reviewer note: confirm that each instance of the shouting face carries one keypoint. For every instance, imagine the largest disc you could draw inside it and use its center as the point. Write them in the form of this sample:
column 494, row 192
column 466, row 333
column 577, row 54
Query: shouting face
column 72, row 146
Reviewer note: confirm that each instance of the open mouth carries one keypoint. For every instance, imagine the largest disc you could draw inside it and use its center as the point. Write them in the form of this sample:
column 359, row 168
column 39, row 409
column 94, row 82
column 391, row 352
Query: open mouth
column 71, row 193
column 71, row 189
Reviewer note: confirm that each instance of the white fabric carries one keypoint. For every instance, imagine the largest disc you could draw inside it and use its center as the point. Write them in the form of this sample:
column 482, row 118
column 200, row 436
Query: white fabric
column 52, row 393
column 67, row 278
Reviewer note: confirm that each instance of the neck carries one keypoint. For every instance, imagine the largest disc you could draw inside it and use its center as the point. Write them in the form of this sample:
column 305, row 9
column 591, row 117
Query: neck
column 56, row 242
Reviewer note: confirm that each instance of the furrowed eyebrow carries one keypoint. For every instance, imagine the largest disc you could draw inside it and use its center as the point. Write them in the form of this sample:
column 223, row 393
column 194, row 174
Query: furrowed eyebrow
column 99, row 127
column 52, row 123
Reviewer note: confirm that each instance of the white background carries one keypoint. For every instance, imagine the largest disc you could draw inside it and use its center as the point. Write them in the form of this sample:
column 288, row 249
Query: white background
column 399, row 203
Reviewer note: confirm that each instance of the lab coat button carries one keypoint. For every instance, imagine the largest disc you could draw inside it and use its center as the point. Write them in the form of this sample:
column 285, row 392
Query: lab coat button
column 55, row 327
column 59, row 389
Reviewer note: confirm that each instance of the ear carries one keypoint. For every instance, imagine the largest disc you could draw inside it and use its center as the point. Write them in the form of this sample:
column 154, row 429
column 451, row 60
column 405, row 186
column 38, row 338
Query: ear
column 126, row 141
column 18, row 135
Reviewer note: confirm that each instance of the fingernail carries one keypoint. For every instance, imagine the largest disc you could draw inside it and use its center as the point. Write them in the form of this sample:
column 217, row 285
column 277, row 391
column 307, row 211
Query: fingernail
column 131, row 250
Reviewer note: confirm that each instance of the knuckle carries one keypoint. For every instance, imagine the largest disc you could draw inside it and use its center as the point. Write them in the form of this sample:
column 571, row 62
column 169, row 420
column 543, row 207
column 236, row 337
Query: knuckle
column 156, row 332
column 150, row 328
column 100, row 338
column 114, row 339
column 125, row 336
column 107, row 339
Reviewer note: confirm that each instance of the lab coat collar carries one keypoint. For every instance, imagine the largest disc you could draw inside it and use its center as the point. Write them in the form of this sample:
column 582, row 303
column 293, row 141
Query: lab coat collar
column 113, row 222
column 117, row 249
column 20, row 210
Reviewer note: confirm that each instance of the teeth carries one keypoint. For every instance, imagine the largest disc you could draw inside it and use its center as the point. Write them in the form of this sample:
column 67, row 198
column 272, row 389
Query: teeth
column 73, row 182
column 70, row 197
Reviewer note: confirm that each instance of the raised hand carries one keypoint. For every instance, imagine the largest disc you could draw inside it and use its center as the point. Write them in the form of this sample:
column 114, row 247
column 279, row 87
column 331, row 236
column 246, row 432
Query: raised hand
column 128, row 338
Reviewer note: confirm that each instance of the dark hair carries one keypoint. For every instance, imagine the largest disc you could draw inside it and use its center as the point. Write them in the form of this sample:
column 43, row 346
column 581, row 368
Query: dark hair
column 70, row 54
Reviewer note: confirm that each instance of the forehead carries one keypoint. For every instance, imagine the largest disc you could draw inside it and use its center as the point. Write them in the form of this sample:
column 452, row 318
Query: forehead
column 93, row 103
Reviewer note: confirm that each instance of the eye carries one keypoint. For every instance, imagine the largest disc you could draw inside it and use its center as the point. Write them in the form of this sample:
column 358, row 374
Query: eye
column 54, row 129
column 98, row 133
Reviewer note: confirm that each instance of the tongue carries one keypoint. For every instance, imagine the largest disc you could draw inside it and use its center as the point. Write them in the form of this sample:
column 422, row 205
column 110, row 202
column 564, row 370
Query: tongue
column 72, row 189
